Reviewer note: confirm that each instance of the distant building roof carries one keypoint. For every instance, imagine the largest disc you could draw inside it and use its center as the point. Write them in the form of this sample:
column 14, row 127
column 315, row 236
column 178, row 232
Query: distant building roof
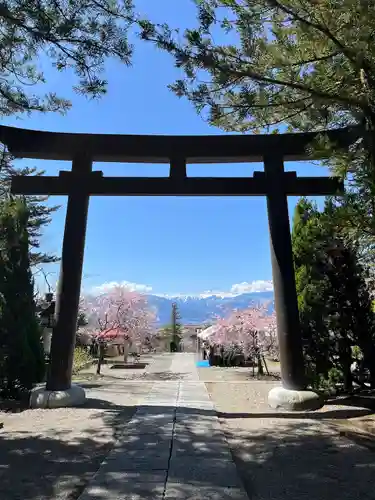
column 207, row 332
column 111, row 334
column 192, row 327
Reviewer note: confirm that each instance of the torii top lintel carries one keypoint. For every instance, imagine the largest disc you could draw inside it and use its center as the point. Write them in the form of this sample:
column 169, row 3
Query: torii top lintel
column 24, row 143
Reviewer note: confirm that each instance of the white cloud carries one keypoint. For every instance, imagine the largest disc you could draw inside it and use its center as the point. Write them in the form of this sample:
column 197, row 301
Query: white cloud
column 236, row 289
column 132, row 287
column 253, row 286
column 209, row 293
column 239, row 288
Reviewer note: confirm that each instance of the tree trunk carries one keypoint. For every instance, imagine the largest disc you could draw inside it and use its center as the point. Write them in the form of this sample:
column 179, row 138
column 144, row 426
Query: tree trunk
column 211, row 355
column 126, row 349
column 265, row 365
column 100, row 358
column 260, row 365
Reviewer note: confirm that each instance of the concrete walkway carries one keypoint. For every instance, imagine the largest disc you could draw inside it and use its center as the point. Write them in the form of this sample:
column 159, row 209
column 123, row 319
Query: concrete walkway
column 173, row 448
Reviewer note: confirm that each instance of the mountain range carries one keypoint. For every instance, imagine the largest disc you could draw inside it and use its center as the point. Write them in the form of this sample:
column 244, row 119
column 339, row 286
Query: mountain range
column 202, row 310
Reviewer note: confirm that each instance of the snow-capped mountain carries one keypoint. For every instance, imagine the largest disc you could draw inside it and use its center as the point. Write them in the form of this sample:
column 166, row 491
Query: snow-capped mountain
column 200, row 310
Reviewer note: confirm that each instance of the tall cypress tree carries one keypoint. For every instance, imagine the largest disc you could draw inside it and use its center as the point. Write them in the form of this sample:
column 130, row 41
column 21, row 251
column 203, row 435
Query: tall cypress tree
column 176, row 326
column 22, row 360
column 333, row 298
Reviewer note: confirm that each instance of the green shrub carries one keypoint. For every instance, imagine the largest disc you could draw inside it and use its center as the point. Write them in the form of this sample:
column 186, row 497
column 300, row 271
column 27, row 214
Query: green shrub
column 81, row 359
column 357, row 354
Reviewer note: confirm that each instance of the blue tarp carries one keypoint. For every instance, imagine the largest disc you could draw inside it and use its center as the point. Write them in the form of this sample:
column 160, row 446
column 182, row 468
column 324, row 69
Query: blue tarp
column 203, row 364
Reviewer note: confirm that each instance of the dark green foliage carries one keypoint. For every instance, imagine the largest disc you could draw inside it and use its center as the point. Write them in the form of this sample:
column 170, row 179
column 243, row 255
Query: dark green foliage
column 334, row 302
column 229, row 356
column 176, row 328
column 175, row 320
column 74, row 35
column 261, row 63
column 21, row 352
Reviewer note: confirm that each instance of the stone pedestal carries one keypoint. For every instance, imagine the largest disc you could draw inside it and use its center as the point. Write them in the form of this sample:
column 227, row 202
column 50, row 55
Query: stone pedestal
column 40, row 397
column 293, row 400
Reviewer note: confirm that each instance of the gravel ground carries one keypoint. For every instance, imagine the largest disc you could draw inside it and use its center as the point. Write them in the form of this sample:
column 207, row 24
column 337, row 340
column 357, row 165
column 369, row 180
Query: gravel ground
column 291, row 456
column 52, row 454
column 221, row 374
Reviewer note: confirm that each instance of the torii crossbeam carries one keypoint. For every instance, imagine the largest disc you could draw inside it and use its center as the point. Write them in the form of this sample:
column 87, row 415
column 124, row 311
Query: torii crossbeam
column 81, row 182
column 95, row 184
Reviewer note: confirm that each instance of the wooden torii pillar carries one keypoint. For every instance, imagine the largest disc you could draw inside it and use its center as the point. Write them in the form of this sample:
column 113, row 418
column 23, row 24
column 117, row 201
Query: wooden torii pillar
column 81, row 182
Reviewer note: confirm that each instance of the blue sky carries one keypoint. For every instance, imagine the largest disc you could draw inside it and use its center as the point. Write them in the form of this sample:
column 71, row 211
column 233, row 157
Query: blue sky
column 171, row 245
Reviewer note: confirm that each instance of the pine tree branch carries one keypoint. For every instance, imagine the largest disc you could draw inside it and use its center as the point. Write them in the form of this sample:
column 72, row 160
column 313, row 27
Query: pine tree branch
column 211, row 59
column 310, row 61
column 231, row 70
column 324, row 30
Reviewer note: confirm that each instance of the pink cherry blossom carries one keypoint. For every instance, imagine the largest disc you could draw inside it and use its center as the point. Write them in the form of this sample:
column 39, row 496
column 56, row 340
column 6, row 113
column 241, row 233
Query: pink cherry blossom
column 121, row 314
column 252, row 330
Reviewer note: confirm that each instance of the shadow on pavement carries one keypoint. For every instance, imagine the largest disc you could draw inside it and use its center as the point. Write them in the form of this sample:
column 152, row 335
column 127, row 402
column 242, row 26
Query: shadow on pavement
column 365, row 400
column 129, row 377
column 294, row 458
column 341, row 413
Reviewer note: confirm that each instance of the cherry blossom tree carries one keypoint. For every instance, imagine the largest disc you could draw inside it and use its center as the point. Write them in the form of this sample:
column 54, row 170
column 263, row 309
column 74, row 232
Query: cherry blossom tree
column 251, row 332
column 119, row 314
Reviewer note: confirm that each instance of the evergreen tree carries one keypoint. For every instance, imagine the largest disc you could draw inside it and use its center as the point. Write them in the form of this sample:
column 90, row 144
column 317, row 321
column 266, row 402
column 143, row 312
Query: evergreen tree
column 334, row 303
column 22, row 359
column 176, row 327
column 310, row 287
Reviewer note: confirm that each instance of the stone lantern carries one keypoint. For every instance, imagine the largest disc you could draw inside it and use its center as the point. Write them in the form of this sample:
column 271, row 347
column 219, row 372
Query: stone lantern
column 47, row 321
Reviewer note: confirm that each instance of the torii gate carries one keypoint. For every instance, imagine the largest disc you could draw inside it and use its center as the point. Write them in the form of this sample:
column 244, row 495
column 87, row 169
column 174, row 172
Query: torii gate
column 81, row 182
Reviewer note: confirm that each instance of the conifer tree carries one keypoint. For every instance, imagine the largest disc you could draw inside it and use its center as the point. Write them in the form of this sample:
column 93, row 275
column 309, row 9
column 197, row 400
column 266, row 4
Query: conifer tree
column 334, row 302
column 21, row 352
column 176, row 326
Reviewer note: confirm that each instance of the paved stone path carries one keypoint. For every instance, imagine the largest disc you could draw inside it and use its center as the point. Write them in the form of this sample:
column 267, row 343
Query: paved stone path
column 173, row 448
